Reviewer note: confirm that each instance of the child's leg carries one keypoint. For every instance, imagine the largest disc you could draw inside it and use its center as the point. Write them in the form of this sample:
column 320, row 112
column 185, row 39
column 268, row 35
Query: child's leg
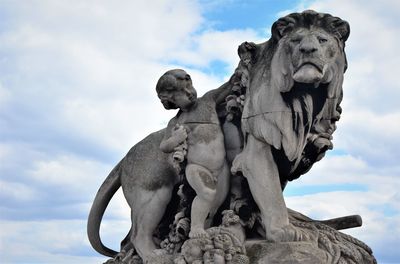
column 223, row 177
column 203, row 182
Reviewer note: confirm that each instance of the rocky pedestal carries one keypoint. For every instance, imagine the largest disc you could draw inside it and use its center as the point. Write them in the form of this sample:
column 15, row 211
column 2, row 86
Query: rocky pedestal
column 262, row 252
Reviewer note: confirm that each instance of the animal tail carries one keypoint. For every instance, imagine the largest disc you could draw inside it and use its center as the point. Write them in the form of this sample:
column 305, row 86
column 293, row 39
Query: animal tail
column 103, row 197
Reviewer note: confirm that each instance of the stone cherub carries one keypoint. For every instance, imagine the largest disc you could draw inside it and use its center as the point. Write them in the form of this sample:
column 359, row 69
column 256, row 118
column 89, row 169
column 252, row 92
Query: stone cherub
column 196, row 126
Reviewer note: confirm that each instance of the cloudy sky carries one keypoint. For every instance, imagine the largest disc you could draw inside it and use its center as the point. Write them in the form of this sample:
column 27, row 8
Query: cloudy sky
column 77, row 90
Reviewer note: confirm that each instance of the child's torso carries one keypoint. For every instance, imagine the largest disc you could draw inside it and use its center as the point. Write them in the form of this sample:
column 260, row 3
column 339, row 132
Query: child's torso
column 205, row 138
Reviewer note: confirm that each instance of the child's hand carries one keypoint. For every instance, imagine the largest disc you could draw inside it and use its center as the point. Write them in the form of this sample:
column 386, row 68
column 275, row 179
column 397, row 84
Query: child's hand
column 179, row 133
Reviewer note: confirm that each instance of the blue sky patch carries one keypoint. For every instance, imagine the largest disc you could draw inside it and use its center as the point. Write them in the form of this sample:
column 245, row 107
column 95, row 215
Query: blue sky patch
column 298, row 190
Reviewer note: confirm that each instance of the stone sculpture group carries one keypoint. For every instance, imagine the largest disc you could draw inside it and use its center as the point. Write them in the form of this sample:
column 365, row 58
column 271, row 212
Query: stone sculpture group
column 208, row 188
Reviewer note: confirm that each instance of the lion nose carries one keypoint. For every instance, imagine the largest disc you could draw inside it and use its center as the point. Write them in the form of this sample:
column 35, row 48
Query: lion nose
column 308, row 46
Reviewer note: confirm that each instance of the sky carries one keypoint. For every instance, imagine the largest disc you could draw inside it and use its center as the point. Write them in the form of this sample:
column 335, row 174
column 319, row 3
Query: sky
column 77, row 91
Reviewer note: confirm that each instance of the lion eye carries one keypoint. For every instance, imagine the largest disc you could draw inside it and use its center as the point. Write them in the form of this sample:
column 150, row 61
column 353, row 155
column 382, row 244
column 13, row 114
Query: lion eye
column 295, row 40
column 322, row 40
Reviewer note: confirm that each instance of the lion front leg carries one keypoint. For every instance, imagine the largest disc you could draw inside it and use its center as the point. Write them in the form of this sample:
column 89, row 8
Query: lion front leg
column 258, row 166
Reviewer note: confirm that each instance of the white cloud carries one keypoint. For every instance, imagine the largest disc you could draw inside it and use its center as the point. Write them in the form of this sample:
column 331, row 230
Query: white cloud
column 4, row 94
column 377, row 203
column 370, row 135
column 379, row 230
column 96, row 73
column 17, row 191
column 215, row 45
column 346, row 169
column 78, row 82
column 76, row 173
column 52, row 241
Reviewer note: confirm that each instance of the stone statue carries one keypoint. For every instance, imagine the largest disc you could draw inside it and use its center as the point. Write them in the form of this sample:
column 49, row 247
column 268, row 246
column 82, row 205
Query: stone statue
column 196, row 130
column 269, row 124
column 291, row 104
column 147, row 177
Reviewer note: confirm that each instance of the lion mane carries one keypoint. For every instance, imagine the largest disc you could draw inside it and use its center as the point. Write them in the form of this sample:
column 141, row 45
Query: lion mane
column 286, row 106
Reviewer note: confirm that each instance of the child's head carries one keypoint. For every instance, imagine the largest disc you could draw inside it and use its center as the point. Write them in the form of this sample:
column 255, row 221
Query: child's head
column 175, row 90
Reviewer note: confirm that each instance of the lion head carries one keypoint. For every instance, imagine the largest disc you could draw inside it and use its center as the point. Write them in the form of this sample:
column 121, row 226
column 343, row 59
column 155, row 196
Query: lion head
column 310, row 50
column 295, row 83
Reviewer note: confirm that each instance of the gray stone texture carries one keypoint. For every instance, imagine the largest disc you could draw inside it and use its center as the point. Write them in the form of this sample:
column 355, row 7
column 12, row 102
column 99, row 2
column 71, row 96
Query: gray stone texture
column 208, row 188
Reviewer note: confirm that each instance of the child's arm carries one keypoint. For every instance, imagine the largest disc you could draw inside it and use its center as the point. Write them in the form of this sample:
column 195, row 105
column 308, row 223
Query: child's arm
column 174, row 136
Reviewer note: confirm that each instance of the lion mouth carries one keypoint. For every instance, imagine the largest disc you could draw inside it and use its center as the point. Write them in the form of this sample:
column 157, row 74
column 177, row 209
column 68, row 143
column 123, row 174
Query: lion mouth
column 310, row 64
column 307, row 86
column 309, row 72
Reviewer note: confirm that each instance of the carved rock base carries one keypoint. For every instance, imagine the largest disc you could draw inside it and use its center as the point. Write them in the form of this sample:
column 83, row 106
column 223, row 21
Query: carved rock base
column 261, row 252
column 226, row 244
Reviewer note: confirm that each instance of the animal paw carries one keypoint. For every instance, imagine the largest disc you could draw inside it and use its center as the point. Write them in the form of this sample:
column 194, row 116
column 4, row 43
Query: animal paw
column 287, row 233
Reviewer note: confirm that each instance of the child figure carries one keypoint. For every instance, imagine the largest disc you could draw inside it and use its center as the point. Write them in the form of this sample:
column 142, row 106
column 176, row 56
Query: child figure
column 196, row 126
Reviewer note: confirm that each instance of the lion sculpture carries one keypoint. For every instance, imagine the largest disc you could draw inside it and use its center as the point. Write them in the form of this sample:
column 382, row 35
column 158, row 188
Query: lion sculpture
column 292, row 104
column 293, row 87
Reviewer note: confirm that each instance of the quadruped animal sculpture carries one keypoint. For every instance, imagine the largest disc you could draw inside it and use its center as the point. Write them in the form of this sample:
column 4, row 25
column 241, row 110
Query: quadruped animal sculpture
column 147, row 177
column 292, row 85
column 292, row 104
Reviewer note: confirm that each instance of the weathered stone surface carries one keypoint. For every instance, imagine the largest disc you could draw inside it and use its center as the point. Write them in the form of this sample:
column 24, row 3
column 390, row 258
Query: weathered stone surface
column 244, row 141
column 262, row 252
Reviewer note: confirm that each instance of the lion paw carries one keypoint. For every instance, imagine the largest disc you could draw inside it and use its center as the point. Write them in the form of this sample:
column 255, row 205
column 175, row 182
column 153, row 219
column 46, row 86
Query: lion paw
column 287, row 233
